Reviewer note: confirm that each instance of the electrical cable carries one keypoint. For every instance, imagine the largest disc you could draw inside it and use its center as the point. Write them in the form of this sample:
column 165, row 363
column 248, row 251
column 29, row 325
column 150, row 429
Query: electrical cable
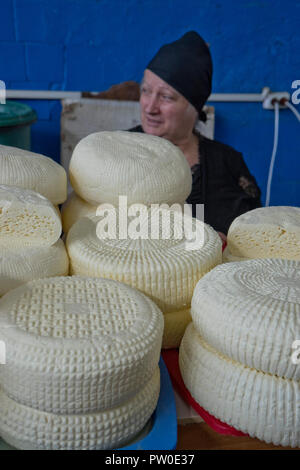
column 275, row 144
column 293, row 109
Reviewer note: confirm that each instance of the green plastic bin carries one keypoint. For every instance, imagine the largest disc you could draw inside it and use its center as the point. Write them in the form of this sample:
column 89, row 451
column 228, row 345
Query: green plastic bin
column 15, row 124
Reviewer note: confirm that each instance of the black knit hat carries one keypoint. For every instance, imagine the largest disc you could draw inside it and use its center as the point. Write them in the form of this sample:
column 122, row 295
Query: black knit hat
column 186, row 65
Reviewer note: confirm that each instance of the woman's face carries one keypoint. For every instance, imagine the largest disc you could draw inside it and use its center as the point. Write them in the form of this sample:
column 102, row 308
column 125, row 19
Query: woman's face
column 164, row 111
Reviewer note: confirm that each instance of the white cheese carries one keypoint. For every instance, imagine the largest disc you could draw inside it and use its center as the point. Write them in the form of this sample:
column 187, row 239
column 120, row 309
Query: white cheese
column 21, row 265
column 33, row 171
column 73, row 209
column 58, row 211
column 29, row 429
column 162, row 268
column 145, row 168
column 227, row 257
column 262, row 405
column 175, row 325
column 77, row 345
column 266, row 232
column 27, row 218
column 250, row 311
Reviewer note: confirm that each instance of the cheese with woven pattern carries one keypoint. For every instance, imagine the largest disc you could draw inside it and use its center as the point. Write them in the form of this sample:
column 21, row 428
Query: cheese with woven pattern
column 33, row 171
column 73, row 209
column 266, row 232
column 262, row 405
column 29, row 429
column 145, row 168
column 27, row 218
column 162, row 268
column 77, row 345
column 250, row 311
column 21, row 265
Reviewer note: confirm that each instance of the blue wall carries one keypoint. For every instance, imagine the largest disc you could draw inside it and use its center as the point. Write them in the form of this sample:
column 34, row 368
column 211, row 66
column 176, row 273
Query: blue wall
column 92, row 44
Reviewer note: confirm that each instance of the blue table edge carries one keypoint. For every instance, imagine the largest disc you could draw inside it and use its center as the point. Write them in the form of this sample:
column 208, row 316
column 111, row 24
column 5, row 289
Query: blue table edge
column 163, row 435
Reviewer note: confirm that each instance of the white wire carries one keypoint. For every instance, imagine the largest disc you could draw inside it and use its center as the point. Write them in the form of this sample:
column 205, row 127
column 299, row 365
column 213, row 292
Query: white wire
column 276, row 129
column 292, row 108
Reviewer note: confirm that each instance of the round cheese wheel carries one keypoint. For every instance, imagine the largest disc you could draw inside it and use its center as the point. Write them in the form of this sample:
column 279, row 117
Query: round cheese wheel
column 175, row 325
column 33, row 171
column 262, row 405
column 27, row 218
column 77, row 345
column 73, row 209
column 165, row 269
column 26, row 264
column 227, row 256
column 30, row 429
column 266, row 232
column 145, row 168
column 58, row 211
column 250, row 311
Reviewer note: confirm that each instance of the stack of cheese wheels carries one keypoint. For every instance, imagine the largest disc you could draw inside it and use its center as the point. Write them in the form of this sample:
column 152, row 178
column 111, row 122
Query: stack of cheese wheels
column 266, row 232
column 33, row 171
column 30, row 244
column 81, row 366
column 108, row 165
column 153, row 252
column 236, row 357
column 73, row 209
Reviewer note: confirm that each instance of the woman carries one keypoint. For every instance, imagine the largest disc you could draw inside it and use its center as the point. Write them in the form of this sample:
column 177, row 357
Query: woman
column 175, row 87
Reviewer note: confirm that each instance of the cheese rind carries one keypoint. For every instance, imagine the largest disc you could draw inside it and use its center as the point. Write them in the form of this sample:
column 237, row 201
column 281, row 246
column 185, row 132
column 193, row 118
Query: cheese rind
column 250, row 311
column 27, row 218
column 73, row 209
column 29, row 429
column 26, row 264
column 33, row 171
column 175, row 325
column 262, row 405
column 77, row 345
column 266, row 232
column 145, row 168
column 228, row 257
column 163, row 269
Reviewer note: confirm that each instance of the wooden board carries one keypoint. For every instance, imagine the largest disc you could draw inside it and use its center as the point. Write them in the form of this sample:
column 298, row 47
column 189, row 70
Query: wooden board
column 202, row 437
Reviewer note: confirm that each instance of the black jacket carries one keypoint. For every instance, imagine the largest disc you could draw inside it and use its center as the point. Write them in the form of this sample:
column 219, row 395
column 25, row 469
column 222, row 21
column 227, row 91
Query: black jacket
column 222, row 182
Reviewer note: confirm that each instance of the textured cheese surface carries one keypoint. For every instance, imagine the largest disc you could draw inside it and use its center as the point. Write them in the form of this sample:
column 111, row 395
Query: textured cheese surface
column 77, row 345
column 261, row 405
column 27, row 218
column 250, row 312
column 33, row 171
column 26, row 264
column 29, row 429
column 73, row 209
column 161, row 268
column 266, row 232
column 145, row 168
